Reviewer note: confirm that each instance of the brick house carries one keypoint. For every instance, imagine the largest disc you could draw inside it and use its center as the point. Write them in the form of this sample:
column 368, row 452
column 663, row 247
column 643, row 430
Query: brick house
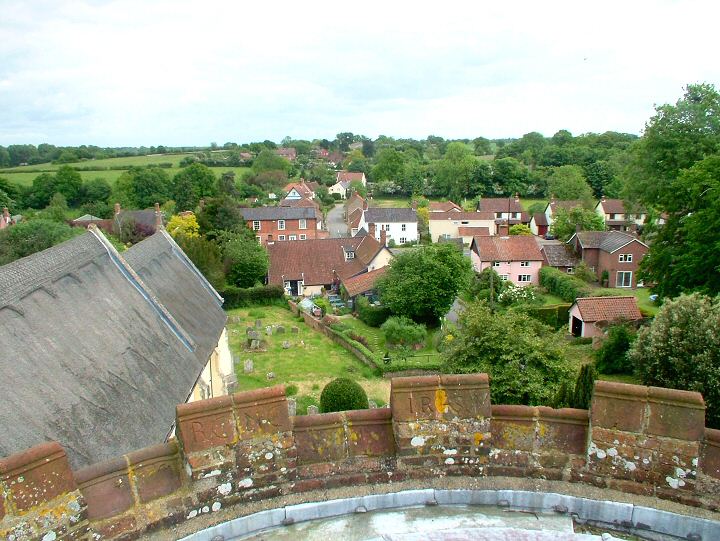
column 516, row 258
column 616, row 215
column 272, row 224
column 590, row 316
column 444, row 206
column 289, row 153
column 459, row 224
column 617, row 253
column 507, row 209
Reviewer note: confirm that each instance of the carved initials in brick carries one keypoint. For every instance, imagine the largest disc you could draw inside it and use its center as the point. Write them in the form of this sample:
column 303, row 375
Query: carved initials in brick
column 255, row 421
column 425, row 405
column 200, row 432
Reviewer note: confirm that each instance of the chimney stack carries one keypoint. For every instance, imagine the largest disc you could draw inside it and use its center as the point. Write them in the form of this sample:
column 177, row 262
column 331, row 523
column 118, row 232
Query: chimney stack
column 517, row 197
column 414, row 205
column 158, row 217
column 117, row 209
column 383, row 237
column 371, row 230
column 503, row 229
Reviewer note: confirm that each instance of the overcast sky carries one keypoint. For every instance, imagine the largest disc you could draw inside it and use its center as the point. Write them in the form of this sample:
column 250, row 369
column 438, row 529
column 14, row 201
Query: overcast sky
column 189, row 73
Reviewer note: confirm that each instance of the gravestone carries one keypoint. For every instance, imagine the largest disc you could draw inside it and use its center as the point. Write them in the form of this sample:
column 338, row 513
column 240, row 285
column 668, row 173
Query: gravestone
column 271, row 375
column 312, row 410
column 372, row 405
column 248, row 366
column 294, row 330
column 248, row 330
column 286, row 345
column 268, row 330
column 292, row 407
column 258, row 323
column 280, row 329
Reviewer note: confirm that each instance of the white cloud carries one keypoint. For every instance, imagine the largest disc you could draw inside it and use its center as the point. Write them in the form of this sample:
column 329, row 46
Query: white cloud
column 132, row 72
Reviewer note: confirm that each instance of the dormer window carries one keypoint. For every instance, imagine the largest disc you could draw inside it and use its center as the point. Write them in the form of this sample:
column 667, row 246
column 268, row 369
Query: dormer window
column 349, row 252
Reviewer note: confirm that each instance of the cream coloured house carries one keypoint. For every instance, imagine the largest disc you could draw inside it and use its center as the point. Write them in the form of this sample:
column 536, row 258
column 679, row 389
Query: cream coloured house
column 465, row 225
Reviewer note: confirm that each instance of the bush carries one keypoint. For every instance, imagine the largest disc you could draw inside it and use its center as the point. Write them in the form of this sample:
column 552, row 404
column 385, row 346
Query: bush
column 584, row 387
column 612, row 356
column 359, row 338
column 373, row 316
column 565, row 286
column 342, row 394
column 291, row 390
column 323, row 304
column 518, row 295
column 237, row 297
column 555, row 316
column 583, row 272
column 403, row 331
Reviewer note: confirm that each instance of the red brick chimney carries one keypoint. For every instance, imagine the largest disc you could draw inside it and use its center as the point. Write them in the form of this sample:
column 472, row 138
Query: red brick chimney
column 502, row 229
column 158, row 217
column 414, row 205
column 371, row 230
column 383, row 237
column 517, row 197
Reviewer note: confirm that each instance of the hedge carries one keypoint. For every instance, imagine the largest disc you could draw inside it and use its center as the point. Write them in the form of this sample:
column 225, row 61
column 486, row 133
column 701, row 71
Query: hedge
column 563, row 285
column 238, row 297
column 373, row 316
column 555, row 316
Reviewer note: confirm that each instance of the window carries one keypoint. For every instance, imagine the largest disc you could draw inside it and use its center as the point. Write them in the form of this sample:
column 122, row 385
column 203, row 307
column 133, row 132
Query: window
column 524, row 263
column 281, row 225
column 386, row 227
column 498, row 215
column 403, row 240
column 571, row 270
column 303, row 236
column 613, row 216
column 516, row 215
column 281, row 237
column 256, row 225
column 624, row 279
column 403, row 227
column 524, row 278
column 504, row 277
column 302, row 223
column 464, row 223
column 496, row 263
column 625, row 258
column 349, row 255
column 292, row 237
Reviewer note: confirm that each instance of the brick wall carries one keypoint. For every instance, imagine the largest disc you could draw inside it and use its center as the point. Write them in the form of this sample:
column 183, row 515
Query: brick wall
column 244, row 448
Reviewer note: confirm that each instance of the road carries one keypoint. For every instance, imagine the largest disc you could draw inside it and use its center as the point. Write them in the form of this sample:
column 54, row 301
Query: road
column 335, row 222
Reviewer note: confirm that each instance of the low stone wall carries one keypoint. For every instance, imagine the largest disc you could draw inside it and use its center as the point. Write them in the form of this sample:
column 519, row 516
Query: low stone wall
column 236, row 452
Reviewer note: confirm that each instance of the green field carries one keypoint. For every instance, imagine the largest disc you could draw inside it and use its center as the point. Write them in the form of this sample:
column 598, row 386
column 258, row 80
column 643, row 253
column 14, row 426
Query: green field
column 129, row 161
column 310, row 363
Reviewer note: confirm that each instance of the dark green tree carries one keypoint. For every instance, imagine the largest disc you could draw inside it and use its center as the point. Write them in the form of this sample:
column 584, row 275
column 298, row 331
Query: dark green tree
column 389, row 165
column 245, row 260
column 565, row 222
column 69, row 183
column 26, row 238
column 191, row 184
column 584, row 387
column 612, row 357
column 220, row 214
column 142, row 187
column 97, row 189
column 568, row 183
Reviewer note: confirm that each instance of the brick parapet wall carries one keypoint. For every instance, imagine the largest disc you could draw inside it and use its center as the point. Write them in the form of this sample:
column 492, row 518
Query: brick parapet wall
column 235, row 450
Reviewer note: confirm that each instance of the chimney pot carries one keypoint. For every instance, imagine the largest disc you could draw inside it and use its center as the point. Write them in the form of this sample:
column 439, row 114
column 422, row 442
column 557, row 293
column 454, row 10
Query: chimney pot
column 158, row 217
column 383, row 237
column 371, row 230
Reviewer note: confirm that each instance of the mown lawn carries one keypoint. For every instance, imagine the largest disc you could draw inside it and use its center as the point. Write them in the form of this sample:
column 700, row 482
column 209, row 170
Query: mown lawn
column 311, row 361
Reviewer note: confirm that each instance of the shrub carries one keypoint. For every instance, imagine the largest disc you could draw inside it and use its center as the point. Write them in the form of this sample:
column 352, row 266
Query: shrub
column 612, row 356
column 342, row 394
column 359, row 338
column 555, row 316
column 323, row 304
column 584, row 387
column 237, row 297
column 583, row 272
column 291, row 390
column 403, row 331
column 565, row 286
column 373, row 316
column 518, row 295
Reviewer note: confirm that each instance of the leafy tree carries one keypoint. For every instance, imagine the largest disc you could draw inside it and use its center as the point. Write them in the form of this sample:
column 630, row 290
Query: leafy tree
column 69, row 183
column 681, row 349
column 43, row 188
column 584, row 387
column 245, row 260
column 509, row 176
column 520, row 229
column 343, row 141
column 205, row 254
column 487, row 286
column 142, row 187
column 526, row 361
column 454, row 172
column 193, row 183
column 267, row 160
column 57, row 209
column 483, row 146
column 183, row 226
column 26, row 238
column 403, row 331
column 389, row 165
column 368, row 148
column 97, row 189
column 583, row 272
column 422, row 284
column 600, row 175
column 5, row 200
column 565, row 222
column 226, row 185
column 568, row 182
column 612, row 357
column 220, row 214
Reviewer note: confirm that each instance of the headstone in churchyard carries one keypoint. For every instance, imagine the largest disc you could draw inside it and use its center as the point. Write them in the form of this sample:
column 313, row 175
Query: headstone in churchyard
column 268, row 330
column 312, row 410
column 286, row 345
column 292, row 407
column 280, row 329
column 294, row 330
column 254, row 344
column 258, row 323
column 371, row 404
column 271, row 375
column 230, row 383
column 248, row 366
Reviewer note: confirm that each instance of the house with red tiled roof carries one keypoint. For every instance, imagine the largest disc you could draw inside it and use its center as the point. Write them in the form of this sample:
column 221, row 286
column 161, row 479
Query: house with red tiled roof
column 354, row 202
column 444, row 206
column 516, row 258
column 311, row 267
column 343, row 179
column 590, row 316
column 300, row 190
column 354, row 220
column 448, row 225
column 540, row 223
column 363, row 284
column 288, row 153
column 618, row 215
column 508, row 210
column 612, row 255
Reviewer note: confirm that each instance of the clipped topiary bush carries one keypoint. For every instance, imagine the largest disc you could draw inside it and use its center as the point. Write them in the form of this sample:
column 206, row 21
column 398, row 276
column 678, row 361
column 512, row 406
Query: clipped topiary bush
column 343, row 394
column 403, row 331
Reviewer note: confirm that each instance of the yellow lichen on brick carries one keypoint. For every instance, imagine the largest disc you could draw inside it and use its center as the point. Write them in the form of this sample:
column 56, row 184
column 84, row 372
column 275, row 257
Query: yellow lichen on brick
column 478, row 438
column 441, row 403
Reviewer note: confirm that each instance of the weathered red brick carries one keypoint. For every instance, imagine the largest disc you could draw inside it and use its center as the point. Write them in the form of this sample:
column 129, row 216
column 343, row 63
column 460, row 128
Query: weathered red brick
column 563, row 429
column 676, row 414
column 113, row 528
column 618, row 406
column 631, row 487
column 36, row 476
column 261, row 411
column 320, row 438
column 370, row 432
column 305, row 485
column 710, row 457
column 206, row 424
column 513, row 427
column 156, row 471
column 413, row 398
column 106, row 488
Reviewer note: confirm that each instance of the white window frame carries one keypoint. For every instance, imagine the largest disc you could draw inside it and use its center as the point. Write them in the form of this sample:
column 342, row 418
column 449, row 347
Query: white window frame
column 625, row 258
column 292, row 237
column 256, row 225
column 349, row 255
column 571, row 270
column 302, row 223
column 525, row 278
column 281, row 237
column 495, row 263
column 524, row 263
column 386, row 227
column 303, row 236
column 504, row 277
column 623, row 274
column 516, row 215
column 281, row 225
